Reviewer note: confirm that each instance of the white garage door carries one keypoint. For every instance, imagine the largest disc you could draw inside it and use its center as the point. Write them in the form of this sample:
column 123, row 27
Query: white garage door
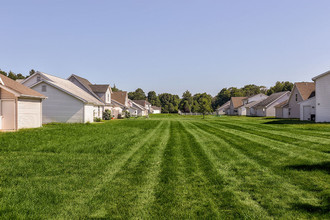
column 29, row 113
column 307, row 113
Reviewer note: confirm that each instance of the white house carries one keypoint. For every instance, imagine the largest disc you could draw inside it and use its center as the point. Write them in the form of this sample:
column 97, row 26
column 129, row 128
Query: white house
column 145, row 104
column 307, row 109
column 20, row 106
column 266, row 108
column 235, row 102
column 102, row 92
column 141, row 111
column 322, row 94
column 156, row 110
column 222, row 110
column 241, row 110
column 66, row 101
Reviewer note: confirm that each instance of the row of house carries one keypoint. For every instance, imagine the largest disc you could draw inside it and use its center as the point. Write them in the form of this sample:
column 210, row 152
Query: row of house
column 44, row 98
column 306, row 101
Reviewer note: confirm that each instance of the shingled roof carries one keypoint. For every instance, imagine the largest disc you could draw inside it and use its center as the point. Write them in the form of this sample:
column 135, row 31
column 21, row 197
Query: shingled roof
column 305, row 89
column 273, row 97
column 20, row 89
column 119, row 97
column 70, row 88
column 99, row 88
column 237, row 101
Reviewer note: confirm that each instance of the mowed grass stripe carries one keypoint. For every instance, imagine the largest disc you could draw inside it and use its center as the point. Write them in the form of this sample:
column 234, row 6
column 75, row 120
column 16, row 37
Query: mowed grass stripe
column 302, row 130
column 272, row 191
column 307, row 140
column 79, row 205
column 267, row 144
column 132, row 185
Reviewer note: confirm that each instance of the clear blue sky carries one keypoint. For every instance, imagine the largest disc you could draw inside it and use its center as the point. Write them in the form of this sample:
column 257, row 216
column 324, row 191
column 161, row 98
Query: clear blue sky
column 168, row 46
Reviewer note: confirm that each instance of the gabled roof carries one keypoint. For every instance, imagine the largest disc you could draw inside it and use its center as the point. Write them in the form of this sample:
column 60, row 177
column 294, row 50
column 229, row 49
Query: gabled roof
column 226, row 105
column 69, row 87
column 84, row 82
column 19, row 89
column 237, row 101
column 142, row 102
column 99, row 88
column 272, row 98
column 120, row 97
column 156, row 108
column 318, row 76
column 252, row 104
column 282, row 104
column 138, row 106
column 305, row 89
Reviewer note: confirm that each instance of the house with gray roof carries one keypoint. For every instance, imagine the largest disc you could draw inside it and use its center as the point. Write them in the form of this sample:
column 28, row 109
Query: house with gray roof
column 66, row 101
column 266, row 108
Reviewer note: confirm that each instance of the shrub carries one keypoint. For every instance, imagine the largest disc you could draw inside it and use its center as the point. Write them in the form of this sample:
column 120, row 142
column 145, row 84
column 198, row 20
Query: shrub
column 107, row 115
column 96, row 119
column 127, row 114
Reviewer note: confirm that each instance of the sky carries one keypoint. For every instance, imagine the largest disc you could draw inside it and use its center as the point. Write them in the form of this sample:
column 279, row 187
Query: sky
column 168, row 46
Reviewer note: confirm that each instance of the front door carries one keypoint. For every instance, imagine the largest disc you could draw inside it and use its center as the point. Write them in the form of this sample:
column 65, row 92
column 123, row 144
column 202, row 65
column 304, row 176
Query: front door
column 8, row 112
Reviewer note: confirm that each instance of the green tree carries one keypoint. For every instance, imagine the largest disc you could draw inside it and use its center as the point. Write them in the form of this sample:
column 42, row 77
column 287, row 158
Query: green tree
column 280, row 87
column 3, row 72
column 203, row 103
column 12, row 75
column 153, row 99
column 138, row 94
column 169, row 102
column 114, row 88
column 186, row 102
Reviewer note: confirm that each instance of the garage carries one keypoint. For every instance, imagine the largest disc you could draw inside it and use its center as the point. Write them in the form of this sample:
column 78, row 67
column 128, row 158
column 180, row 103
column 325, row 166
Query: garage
column 29, row 113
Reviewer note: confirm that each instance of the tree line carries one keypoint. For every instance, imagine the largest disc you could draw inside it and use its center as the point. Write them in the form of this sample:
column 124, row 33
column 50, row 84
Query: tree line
column 15, row 76
column 203, row 102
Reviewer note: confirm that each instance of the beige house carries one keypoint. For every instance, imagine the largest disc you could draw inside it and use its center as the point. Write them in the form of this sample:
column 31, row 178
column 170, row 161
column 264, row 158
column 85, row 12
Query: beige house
column 145, row 104
column 20, row 106
column 282, row 110
column 121, row 104
column 301, row 91
column 235, row 103
column 266, row 108
column 66, row 101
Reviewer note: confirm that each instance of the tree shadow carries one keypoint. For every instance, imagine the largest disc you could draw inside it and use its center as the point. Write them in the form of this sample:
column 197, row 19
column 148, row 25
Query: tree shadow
column 288, row 121
column 324, row 166
column 325, row 209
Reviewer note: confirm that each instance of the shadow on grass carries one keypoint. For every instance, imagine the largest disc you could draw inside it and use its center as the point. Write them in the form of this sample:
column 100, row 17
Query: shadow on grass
column 312, row 208
column 324, row 166
column 288, row 121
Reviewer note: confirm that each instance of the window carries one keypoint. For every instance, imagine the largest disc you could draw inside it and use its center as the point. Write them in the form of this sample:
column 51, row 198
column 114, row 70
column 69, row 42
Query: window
column 38, row 78
column 108, row 97
column 296, row 97
column 44, row 88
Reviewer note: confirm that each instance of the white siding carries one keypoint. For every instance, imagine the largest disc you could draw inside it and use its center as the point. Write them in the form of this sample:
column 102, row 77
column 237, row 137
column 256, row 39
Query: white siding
column 294, row 109
column 32, row 80
column 309, row 103
column 88, row 113
column 59, row 106
column 322, row 92
column 271, row 108
column 29, row 113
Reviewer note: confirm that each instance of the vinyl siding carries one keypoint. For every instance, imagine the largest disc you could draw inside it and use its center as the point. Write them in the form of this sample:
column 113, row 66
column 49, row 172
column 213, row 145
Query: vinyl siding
column 294, row 108
column 59, row 106
column 323, row 98
column 308, row 103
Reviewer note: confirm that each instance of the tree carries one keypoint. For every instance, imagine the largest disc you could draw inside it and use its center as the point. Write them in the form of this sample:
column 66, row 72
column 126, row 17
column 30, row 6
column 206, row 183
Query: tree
column 3, row 72
column 114, row 88
column 138, row 94
column 203, row 103
column 186, row 102
column 32, row 71
column 153, row 99
column 169, row 102
column 12, row 75
column 280, row 87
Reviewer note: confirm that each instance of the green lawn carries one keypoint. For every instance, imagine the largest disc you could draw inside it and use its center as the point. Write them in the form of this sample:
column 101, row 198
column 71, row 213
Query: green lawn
column 167, row 167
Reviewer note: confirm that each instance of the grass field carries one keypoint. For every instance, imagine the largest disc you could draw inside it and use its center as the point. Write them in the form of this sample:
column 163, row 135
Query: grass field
column 167, row 167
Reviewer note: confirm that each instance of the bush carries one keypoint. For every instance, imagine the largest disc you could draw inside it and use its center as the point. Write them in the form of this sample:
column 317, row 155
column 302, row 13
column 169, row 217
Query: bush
column 107, row 115
column 96, row 119
column 127, row 114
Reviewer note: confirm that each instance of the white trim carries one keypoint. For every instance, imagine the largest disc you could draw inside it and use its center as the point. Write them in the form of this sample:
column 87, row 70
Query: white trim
column 318, row 76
